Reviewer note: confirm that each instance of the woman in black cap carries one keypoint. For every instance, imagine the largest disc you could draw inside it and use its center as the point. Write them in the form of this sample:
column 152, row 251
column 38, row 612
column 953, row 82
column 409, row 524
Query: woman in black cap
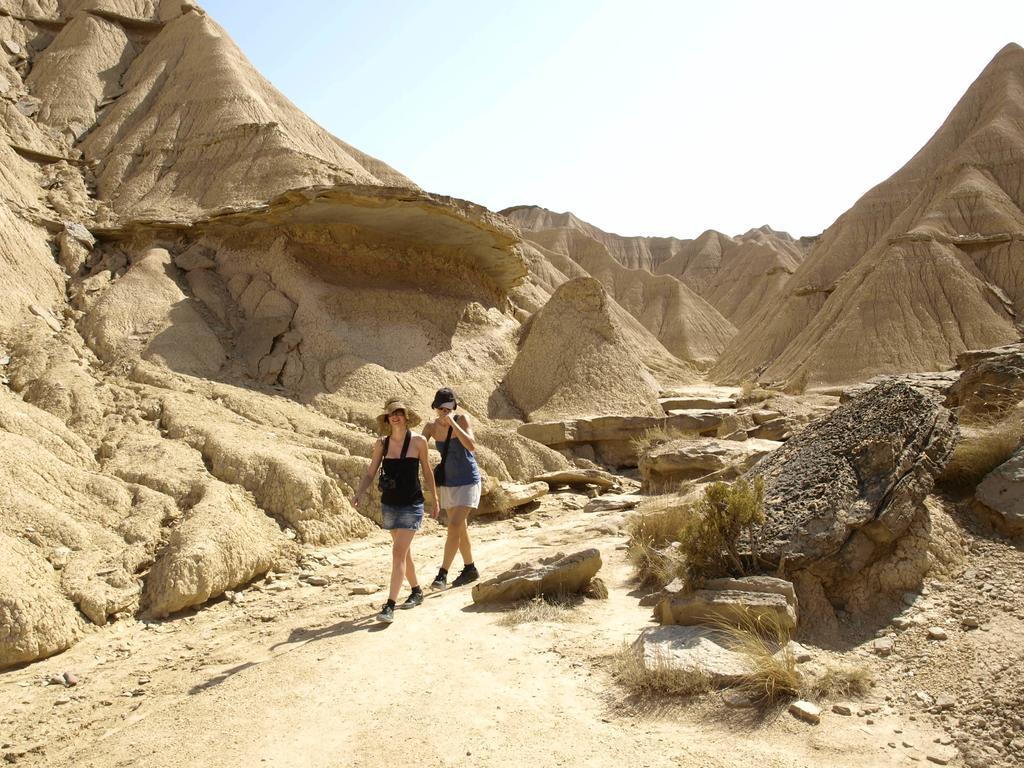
column 459, row 483
column 401, row 455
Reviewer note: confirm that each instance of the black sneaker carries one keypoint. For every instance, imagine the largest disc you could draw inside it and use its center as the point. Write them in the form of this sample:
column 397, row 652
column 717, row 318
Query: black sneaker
column 469, row 574
column 414, row 599
column 386, row 615
column 439, row 582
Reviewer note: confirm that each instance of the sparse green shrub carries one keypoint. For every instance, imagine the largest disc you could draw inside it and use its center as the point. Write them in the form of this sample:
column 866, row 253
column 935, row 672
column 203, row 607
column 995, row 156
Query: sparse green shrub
column 697, row 539
column 709, row 539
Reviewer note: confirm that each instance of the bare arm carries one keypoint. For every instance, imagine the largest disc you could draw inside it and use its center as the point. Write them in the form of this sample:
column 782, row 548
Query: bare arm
column 375, row 459
column 461, row 430
column 428, row 475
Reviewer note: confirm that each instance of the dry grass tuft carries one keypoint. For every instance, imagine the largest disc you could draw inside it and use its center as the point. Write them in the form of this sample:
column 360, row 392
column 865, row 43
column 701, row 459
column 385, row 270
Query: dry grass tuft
column 841, row 682
column 764, row 643
column 662, row 680
column 542, row 609
column 981, row 449
column 653, row 532
column 652, row 438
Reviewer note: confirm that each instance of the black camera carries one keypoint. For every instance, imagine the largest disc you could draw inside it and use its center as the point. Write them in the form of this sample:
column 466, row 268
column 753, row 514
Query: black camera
column 385, row 483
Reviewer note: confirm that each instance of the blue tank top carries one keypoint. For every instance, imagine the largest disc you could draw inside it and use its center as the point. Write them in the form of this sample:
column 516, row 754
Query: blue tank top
column 460, row 468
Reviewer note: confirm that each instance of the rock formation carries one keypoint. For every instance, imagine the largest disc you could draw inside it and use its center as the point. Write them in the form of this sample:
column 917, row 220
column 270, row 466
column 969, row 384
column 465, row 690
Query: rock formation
column 844, row 497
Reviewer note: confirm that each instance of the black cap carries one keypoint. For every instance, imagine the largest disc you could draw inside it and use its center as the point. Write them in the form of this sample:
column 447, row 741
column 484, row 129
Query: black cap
column 442, row 396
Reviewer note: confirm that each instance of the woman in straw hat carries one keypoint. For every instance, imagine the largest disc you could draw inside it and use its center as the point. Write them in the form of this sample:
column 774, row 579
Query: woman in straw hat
column 400, row 455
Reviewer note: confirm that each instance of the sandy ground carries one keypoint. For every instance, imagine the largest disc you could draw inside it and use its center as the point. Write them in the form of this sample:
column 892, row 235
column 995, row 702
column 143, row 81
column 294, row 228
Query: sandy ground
column 306, row 677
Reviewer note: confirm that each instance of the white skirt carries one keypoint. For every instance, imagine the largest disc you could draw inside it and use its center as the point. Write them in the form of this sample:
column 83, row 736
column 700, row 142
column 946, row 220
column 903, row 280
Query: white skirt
column 453, row 496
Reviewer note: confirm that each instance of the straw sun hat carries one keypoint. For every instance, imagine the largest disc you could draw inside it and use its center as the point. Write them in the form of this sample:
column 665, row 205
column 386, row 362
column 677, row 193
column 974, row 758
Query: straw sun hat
column 394, row 404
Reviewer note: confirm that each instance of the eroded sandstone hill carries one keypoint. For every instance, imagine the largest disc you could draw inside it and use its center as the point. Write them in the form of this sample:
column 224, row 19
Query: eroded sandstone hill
column 735, row 275
column 924, row 266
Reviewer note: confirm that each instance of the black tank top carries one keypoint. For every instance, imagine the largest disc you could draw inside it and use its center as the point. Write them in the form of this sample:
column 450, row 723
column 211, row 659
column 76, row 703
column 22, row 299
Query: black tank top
column 401, row 482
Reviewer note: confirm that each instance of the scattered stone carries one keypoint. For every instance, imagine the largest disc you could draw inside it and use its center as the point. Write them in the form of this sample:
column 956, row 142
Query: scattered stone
column 737, row 699
column 941, row 755
column 883, row 646
column 799, row 653
column 70, row 679
column 937, row 633
column 970, row 622
column 902, row 623
column 11, row 46
column 924, row 698
column 945, row 702
column 805, row 710
column 317, row 581
column 46, row 316
column 842, row 709
column 363, row 589
column 62, row 700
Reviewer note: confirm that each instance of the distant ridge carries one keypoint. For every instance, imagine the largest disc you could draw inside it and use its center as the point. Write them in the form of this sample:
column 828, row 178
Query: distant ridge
column 923, row 266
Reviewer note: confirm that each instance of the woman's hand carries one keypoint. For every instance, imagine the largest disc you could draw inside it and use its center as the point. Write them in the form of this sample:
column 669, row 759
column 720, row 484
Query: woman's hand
column 356, row 498
column 436, row 512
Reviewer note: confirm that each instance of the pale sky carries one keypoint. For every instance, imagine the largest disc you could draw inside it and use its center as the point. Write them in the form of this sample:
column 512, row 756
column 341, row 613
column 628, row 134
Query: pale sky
column 643, row 117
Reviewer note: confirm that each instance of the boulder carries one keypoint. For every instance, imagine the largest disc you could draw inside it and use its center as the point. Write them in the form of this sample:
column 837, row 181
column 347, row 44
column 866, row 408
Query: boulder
column 692, row 649
column 847, row 487
column 508, row 496
column 688, row 459
column 776, row 429
column 743, row 607
column 559, row 574
column 1000, row 496
column 992, row 381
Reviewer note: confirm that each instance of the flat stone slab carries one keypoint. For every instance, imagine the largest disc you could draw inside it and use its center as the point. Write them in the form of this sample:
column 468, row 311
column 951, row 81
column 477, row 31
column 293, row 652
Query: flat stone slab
column 614, row 502
column 696, row 403
column 708, row 606
column 699, row 650
column 559, row 574
column 687, row 459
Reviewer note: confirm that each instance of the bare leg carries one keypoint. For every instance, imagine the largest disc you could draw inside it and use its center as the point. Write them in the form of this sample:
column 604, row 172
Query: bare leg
column 458, row 537
column 410, row 570
column 401, row 543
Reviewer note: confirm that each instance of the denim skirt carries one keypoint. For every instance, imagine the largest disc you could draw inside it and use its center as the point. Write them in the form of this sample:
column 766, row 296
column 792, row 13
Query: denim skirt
column 409, row 517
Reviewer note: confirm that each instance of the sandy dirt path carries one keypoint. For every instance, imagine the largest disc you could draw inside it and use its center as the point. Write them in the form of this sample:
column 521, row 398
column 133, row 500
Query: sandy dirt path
column 307, row 678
